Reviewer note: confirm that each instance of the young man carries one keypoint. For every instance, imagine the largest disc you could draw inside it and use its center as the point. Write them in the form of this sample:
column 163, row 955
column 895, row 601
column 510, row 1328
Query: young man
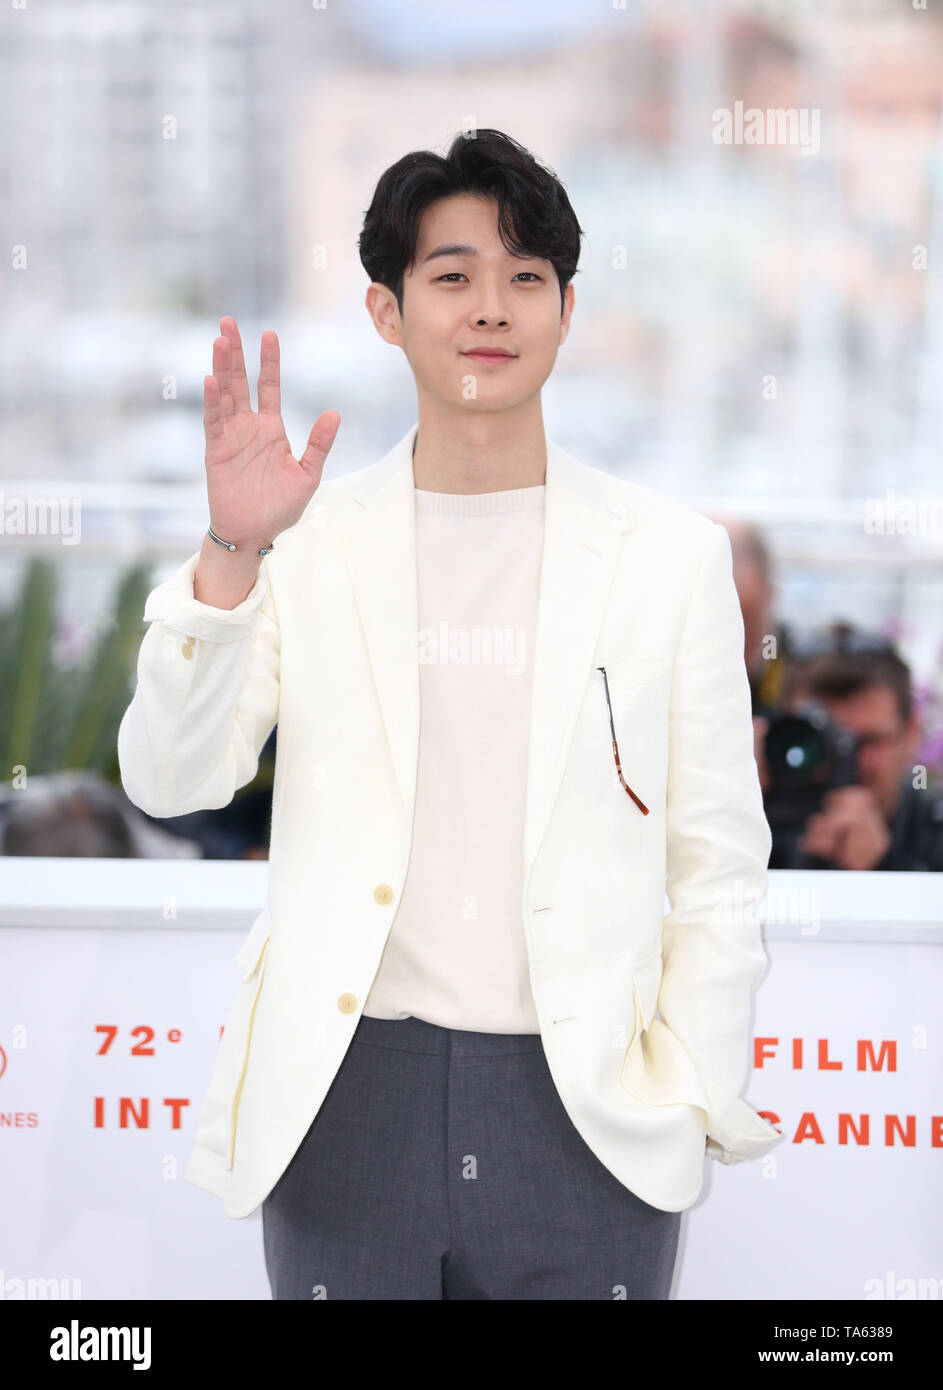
column 512, row 709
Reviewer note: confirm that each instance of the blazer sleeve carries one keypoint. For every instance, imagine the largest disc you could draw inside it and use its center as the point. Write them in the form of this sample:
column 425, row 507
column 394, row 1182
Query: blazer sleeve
column 718, row 849
column 206, row 697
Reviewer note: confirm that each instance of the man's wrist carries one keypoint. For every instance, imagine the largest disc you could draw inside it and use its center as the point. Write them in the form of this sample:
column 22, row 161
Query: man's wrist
column 224, row 578
column 231, row 546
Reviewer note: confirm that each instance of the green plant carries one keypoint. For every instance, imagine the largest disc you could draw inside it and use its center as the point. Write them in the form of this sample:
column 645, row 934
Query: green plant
column 56, row 714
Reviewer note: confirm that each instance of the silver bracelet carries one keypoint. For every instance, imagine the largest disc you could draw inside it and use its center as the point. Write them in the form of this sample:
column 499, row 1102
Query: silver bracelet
column 266, row 549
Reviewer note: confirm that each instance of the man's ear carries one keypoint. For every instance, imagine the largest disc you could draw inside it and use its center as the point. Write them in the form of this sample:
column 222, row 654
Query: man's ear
column 568, row 302
column 384, row 310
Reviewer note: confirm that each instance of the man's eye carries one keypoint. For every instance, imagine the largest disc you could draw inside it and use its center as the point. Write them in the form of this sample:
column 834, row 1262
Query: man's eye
column 450, row 275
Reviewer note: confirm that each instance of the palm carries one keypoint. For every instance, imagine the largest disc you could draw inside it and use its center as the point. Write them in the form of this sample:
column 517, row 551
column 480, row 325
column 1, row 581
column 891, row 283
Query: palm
column 251, row 473
column 256, row 487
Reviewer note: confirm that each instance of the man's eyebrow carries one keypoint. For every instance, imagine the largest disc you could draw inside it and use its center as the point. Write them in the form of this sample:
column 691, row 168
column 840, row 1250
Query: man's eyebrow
column 457, row 248
column 453, row 249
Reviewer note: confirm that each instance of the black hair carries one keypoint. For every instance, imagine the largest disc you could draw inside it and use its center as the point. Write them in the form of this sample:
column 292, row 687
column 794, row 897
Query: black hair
column 847, row 662
column 534, row 214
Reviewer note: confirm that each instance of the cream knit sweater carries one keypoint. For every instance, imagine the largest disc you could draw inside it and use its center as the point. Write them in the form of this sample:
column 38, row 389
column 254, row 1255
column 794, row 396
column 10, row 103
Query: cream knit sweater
column 456, row 954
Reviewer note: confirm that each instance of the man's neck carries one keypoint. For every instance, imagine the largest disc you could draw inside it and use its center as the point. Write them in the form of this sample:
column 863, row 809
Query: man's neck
column 485, row 453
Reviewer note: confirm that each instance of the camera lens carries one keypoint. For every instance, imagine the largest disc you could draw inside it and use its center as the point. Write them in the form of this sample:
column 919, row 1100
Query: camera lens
column 796, row 752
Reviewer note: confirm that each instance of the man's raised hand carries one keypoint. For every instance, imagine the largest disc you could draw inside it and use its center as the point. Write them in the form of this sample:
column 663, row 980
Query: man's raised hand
column 255, row 486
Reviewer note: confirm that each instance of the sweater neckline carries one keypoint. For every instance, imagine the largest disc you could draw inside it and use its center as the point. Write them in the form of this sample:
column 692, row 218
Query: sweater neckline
column 514, row 499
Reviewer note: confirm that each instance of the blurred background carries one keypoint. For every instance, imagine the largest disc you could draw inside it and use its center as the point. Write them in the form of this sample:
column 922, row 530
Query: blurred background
column 758, row 332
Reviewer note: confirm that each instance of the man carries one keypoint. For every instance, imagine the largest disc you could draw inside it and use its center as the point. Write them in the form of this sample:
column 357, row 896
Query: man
column 512, row 709
column 889, row 819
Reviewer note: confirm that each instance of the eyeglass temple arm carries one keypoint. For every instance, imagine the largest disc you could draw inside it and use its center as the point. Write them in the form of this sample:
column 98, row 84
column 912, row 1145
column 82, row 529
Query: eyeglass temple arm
column 615, row 747
column 642, row 807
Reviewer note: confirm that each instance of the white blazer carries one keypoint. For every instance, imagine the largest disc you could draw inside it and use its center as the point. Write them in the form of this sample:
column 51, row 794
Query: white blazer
column 644, row 1016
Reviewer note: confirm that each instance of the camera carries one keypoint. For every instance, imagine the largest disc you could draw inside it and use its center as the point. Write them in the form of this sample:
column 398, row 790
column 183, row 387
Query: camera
column 806, row 755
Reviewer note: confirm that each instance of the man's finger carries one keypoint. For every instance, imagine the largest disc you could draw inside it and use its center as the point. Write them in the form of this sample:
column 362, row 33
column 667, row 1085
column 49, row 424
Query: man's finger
column 270, row 392
column 240, row 382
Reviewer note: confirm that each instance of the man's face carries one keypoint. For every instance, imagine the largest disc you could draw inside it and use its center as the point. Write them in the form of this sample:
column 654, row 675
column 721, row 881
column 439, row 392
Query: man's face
column 886, row 745
column 458, row 300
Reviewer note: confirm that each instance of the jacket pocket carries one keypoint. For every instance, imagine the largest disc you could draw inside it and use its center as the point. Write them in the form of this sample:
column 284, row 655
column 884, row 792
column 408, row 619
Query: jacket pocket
column 656, row 1068
column 215, row 1130
column 249, row 955
column 646, row 982
column 251, row 958
column 644, row 665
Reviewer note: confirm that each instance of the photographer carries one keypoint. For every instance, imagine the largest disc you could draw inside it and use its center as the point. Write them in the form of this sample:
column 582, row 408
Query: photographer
column 841, row 788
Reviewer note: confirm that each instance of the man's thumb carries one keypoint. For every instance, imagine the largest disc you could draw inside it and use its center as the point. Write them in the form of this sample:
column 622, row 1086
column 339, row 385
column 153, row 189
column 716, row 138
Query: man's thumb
column 320, row 441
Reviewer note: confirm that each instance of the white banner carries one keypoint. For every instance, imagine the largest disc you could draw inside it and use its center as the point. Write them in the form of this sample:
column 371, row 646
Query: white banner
column 113, row 992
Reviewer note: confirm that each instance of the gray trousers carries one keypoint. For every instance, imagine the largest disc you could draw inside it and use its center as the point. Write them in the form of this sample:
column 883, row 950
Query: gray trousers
column 442, row 1164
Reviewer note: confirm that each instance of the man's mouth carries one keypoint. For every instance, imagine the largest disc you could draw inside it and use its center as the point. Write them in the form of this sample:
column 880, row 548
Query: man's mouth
column 489, row 355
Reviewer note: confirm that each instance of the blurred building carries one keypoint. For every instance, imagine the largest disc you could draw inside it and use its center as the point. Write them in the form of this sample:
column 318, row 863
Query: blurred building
column 755, row 326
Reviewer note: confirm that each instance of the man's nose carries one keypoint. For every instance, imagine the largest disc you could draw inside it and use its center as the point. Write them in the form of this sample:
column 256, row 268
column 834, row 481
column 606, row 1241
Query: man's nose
column 491, row 304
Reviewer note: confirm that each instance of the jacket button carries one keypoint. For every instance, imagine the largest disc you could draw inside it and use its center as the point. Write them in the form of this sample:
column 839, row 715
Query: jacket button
column 383, row 893
column 187, row 648
column 347, row 1003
